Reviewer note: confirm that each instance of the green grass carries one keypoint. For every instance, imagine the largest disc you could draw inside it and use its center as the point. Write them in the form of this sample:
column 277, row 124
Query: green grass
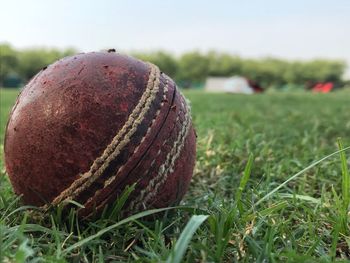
column 239, row 207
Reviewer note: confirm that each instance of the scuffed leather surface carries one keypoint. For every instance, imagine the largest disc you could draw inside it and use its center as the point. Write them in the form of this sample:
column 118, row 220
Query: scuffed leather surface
column 65, row 117
column 69, row 113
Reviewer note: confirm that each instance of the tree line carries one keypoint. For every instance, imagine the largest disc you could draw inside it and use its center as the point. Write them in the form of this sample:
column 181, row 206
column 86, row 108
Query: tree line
column 188, row 69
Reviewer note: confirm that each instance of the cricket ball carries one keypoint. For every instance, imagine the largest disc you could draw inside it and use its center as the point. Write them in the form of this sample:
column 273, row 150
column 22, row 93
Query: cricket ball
column 87, row 126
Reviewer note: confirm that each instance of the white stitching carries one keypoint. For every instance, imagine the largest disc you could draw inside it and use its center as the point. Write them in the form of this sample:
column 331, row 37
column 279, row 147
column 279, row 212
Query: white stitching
column 112, row 178
column 165, row 169
column 117, row 144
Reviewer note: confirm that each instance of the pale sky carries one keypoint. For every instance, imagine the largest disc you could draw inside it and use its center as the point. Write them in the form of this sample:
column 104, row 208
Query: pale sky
column 296, row 29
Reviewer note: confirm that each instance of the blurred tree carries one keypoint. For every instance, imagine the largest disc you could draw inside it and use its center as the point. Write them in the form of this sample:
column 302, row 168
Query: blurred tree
column 166, row 62
column 32, row 60
column 193, row 67
column 314, row 71
column 223, row 64
column 8, row 61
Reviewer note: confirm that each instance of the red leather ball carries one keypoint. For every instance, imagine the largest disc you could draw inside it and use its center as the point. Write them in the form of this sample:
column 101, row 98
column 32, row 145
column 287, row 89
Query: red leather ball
column 89, row 125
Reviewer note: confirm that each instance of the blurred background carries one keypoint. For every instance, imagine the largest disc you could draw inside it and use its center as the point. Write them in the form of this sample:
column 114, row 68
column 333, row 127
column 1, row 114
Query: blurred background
column 253, row 177
column 232, row 46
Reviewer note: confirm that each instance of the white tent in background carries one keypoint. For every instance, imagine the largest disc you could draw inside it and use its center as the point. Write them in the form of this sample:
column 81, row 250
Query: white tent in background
column 235, row 84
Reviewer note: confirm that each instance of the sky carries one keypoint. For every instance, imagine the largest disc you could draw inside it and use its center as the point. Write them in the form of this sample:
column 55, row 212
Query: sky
column 297, row 29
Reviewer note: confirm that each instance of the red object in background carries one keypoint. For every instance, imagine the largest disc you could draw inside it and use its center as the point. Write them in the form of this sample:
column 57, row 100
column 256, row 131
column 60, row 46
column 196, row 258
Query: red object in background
column 256, row 87
column 323, row 87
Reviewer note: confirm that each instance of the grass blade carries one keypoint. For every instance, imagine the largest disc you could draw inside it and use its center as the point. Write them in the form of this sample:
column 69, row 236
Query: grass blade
column 109, row 228
column 243, row 183
column 345, row 200
column 121, row 201
column 273, row 208
column 185, row 237
column 298, row 174
column 345, row 176
column 307, row 198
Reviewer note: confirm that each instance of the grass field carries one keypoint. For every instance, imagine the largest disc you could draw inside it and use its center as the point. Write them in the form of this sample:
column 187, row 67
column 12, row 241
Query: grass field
column 303, row 220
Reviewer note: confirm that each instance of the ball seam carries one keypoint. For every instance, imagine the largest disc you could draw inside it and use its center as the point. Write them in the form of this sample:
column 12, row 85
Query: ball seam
column 113, row 178
column 113, row 149
column 165, row 169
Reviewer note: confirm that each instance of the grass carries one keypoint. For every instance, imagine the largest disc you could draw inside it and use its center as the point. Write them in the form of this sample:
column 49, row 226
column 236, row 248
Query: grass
column 258, row 192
